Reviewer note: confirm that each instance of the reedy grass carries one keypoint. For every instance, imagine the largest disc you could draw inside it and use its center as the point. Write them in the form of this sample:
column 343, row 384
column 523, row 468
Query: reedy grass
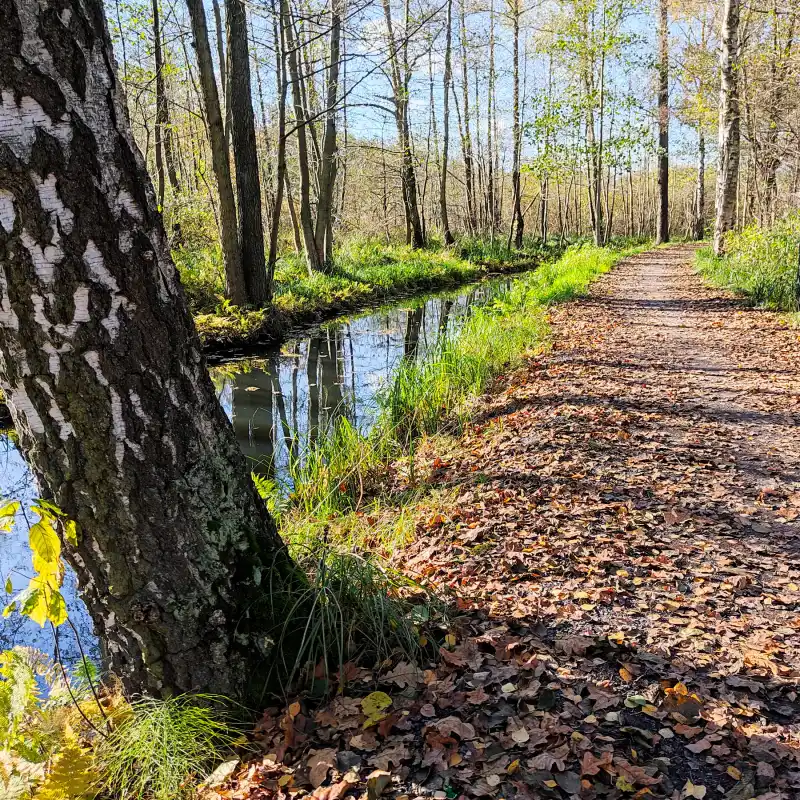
column 355, row 608
column 759, row 263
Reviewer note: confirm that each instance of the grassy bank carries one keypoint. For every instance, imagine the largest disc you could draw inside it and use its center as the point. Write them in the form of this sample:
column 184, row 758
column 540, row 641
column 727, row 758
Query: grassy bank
column 362, row 274
column 347, row 476
column 760, row 264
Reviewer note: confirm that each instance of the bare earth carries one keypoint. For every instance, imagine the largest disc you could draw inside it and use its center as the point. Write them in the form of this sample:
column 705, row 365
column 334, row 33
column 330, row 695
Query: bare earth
column 625, row 548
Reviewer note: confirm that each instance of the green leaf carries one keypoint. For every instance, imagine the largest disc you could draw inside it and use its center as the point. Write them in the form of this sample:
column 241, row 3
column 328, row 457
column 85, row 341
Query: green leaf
column 7, row 514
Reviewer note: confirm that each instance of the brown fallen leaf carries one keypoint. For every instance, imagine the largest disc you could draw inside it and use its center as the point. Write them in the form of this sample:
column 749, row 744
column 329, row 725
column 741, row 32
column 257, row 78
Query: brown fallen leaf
column 318, row 763
column 591, row 764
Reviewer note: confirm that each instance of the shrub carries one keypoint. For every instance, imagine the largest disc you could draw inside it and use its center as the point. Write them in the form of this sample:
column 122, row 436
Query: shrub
column 760, row 263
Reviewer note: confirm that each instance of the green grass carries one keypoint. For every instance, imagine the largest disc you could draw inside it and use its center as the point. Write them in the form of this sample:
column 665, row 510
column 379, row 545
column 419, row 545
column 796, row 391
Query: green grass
column 158, row 748
column 760, row 264
column 363, row 273
column 344, row 470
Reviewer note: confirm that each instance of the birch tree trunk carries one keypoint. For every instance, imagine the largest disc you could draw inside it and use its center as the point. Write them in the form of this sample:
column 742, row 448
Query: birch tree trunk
column 108, row 389
column 729, row 126
column 662, row 232
column 231, row 254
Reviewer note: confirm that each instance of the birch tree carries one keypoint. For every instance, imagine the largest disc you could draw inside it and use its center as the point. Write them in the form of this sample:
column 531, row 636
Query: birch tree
column 729, row 125
column 179, row 563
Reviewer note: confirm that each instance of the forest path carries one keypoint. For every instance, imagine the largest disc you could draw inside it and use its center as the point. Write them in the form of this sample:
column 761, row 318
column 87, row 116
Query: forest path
column 635, row 493
column 624, row 545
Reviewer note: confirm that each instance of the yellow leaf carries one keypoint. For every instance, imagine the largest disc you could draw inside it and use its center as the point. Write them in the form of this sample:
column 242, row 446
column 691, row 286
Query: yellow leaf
column 693, row 790
column 71, row 532
column 71, row 777
column 373, row 706
column 624, row 786
column 734, row 773
column 44, row 542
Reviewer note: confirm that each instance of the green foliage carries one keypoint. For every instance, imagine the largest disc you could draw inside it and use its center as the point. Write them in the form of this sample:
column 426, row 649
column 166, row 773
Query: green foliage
column 158, row 748
column 42, row 709
column 760, row 263
column 363, row 272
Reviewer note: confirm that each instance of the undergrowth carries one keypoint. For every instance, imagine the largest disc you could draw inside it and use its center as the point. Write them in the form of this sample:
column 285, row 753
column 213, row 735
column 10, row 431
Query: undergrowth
column 759, row 263
column 363, row 272
column 62, row 737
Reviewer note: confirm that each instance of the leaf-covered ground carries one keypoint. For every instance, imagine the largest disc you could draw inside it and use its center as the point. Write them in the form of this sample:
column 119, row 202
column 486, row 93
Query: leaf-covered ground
column 625, row 552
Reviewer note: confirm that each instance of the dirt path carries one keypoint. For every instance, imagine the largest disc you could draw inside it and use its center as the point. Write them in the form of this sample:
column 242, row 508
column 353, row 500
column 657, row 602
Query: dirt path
column 625, row 546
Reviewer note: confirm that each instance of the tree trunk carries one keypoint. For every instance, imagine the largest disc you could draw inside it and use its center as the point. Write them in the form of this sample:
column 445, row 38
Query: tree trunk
column 220, row 47
column 280, row 177
column 245, row 154
column 107, row 385
column 235, row 288
column 306, row 224
column 517, row 221
column 407, row 174
column 448, row 32
column 729, row 126
column 700, row 208
column 163, row 132
column 491, row 185
column 662, row 233
column 327, row 178
column 469, row 180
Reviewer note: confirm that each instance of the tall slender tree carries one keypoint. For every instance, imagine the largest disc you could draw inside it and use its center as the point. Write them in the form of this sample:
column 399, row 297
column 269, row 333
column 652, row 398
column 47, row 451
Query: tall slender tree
column 323, row 233
column 662, row 228
column 446, row 80
column 517, row 220
column 235, row 287
column 729, row 125
column 408, row 178
column 245, row 154
column 163, row 134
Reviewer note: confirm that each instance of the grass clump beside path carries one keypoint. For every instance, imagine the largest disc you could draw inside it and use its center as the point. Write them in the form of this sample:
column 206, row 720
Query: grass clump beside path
column 760, row 263
column 363, row 273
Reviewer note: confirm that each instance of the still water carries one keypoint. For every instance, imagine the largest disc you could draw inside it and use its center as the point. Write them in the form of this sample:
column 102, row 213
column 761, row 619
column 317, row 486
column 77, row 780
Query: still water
column 276, row 399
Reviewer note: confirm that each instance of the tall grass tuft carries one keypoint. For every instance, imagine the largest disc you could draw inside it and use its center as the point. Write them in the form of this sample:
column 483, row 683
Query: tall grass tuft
column 159, row 748
column 760, row 263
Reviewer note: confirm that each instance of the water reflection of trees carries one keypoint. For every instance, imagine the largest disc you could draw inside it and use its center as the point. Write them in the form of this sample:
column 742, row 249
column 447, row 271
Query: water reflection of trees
column 286, row 401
